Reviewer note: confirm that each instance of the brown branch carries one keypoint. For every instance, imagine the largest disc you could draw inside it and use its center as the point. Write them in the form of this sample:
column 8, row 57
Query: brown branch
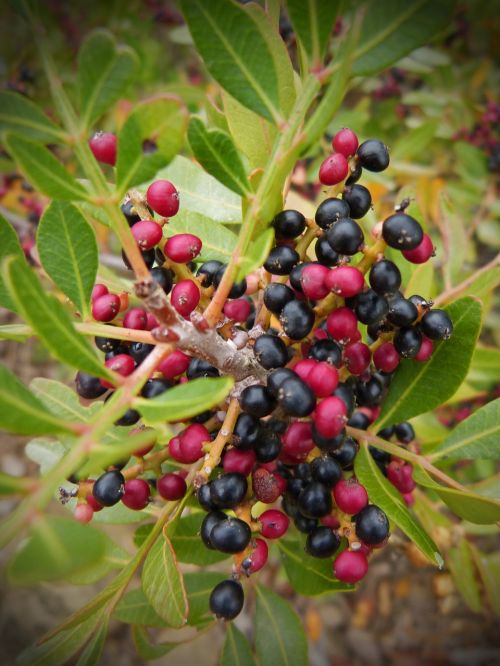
column 452, row 292
column 213, row 457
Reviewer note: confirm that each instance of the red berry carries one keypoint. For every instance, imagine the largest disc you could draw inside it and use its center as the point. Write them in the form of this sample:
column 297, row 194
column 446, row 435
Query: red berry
column 93, row 503
column 334, row 169
column 237, row 310
column 330, row 521
column 182, row 248
column 171, row 486
column 350, row 496
column 84, row 513
column 136, row 495
column 152, row 322
column 297, row 440
column 401, row 476
column 175, row 364
column 123, row 364
column 163, row 198
column 97, row 291
column 323, row 379
column 345, row 142
column 106, row 307
column 136, row 318
column 266, row 486
column 147, row 234
column 357, row 357
column 426, row 349
column 409, row 499
column 312, row 281
column 237, row 460
column 304, row 368
column 421, row 253
column 345, row 281
column 257, row 558
column 191, row 442
column 174, row 448
column 103, row 146
column 330, row 416
column 273, row 523
column 385, row 357
column 350, row 566
column 342, row 324
column 185, row 297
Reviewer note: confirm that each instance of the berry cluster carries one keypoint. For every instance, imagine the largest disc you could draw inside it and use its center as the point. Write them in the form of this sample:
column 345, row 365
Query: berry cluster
column 328, row 334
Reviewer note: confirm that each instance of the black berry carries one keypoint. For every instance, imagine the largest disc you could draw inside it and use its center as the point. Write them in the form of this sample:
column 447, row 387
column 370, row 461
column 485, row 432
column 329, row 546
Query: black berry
column 331, row 210
column 231, row 535
column 228, row 490
column 407, row 341
column 322, row 542
column 315, row 500
column 370, row 307
column 270, row 351
column 257, row 401
column 326, row 470
column 209, row 522
column 281, row 260
column 289, row 224
column 88, row 386
column 373, row 155
column 345, row 236
column 402, row 232
column 437, row 325
column 297, row 319
column 109, row 488
column 276, row 296
column 237, row 289
column 325, row 254
column 359, row 200
column 226, row 599
column 385, row 277
column 206, row 272
column 372, row 526
column 295, row 397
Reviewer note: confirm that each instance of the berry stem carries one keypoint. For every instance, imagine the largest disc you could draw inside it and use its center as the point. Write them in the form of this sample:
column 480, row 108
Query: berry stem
column 212, row 459
column 371, row 255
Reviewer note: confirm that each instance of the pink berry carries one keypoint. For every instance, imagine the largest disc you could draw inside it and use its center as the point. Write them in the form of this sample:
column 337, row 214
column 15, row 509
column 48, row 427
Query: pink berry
column 175, row 450
column 426, row 349
column 330, row 416
column 136, row 318
column 84, row 513
column 304, row 368
column 421, row 253
column 297, row 440
column 163, row 198
column 93, row 503
column 103, row 146
column 274, row 523
column 191, row 442
column 152, row 322
column 409, row 499
column 401, row 476
column 147, row 234
column 237, row 309
column 345, row 142
column 106, row 307
column 350, row 566
column 175, row 364
column 266, row 486
column 333, row 170
column 122, row 364
column 171, row 486
column 312, row 281
column 345, row 281
column 97, row 291
column 257, row 558
column 330, row 521
column 237, row 460
column 385, row 357
column 182, row 248
column 350, row 496
column 357, row 357
column 342, row 324
column 136, row 495
column 185, row 297
column 323, row 379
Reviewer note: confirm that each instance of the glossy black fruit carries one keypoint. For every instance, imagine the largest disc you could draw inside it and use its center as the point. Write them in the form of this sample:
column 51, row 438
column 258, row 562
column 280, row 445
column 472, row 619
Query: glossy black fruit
column 109, row 488
column 326, row 443
column 270, row 351
column 228, row 490
column 212, row 519
column 296, row 398
column 297, row 319
column 199, row 368
column 315, row 500
column 204, row 498
column 345, row 236
column 106, row 344
column 370, row 393
column 346, row 394
column 276, row 296
column 373, row 155
column 208, row 270
column 147, row 255
column 325, row 254
column 372, row 526
column 402, row 312
column 257, row 401
column 326, row 470
column 281, row 260
column 330, row 210
column 370, row 307
column 295, row 274
column 289, row 224
column 276, row 378
column 437, row 325
column 88, row 386
column 246, row 431
column 164, row 277
column 268, row 446
column 322, row 542
column 303, row 523
column 130, row 417
column 226, row 599
column 404, row 432
column 346, row 453
column 385, row 277
column 402, row 231
column 139, row 351
column 358, row 420
column 154, row 387
column 407, row 341
column 231, row 535
column 359, row 200
column 326, row 350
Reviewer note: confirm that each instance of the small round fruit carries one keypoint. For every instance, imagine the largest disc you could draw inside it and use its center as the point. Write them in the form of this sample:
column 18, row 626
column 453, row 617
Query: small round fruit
column 345, row 281
column 315, row 500
column 373, row 155
column 182, row 248
column 327, row 351
column 136, row 318
column 171, row 486
column 147, row 234
column 357, row 357
column 326, row 470
column 404, row 432
column 238, row 288
column 334, row 169
column 274, row 524
column 270, row 351
column 345, row 236
column 109, row 488
column 289, row 224
column 437, row 325
column 370, row 307
column 385, row 277
column 88, row 386
column 207, row 271
column 231, row 535
column 345, row 142
column 330, row 416
column 346, row 453
column 257, row 401
column 276, row 296
column 295, row 397
column 136, row 494
column 402, row 232
column 281, row 260
column 106, row 307
column 386, row 357
column 256, row 559
column 322, row 542
column 350, row 566
column 103, row 147
column 297, row 319
column 350, row 496
column 422, row 253
column 226, row 599
column 425, row 351
column 372, row 525
column 84, row 513
column 402, row 312
column 239, row 461
column 163, row 198
column 325, row 254
column 331, row 210
column 312, row 281
column 323, row 379
column 185, row 297
column 246, row 431
column 238, row 309
column 163, row 277
column 359, row 200
column 407, row 341
column 228, row 490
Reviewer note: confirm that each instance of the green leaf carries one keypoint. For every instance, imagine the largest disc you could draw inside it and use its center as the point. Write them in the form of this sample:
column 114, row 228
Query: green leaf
column 105, row 71
column 19, row 114
column 489, row 570
column 45, row 452
column 389, row 35
column 145, row 648
column 68, row 252
column 413, row 143
column 43, row 170
column 60, row 399
column 56, row 548
column 199, row 586
column 218, row 241
column 134, row 608
column 9, row 246
column 163, row 584
column 257, row 253
column 49, row 320
column 201, row 193
column 483, row 283
column 485, row 366
column 236, row 649
column 161, row 120
column 14, row 485
column 237, row 53
column 92, row 653
column 308, row 575
column 474, row 508
column 16, row 332
column 185, row 400
column 420, row 280
column 419, row 387
column 313, row 22
column 478, row 436
column 461, row 565
column 215, row 151
column 114, row 558
column 186, row 542
column 384, row 494
column 22, row 413
column 279, row 637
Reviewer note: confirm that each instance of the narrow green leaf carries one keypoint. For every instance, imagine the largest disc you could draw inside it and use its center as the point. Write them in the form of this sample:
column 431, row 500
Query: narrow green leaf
column 478, row 436
column 22, row 413
column 201, row 193
column 14, row 485
column 49, row 320
column 257, row 253
column 60, row 399
column 313, row 22
column 420, row 280
column 461, row 565
column 19, row 114
column 105, row 71
column 134, row 608
column 414, row 142
column 186, row 542
column 419, row 387
column 236, row 650
column 46, row 452
column 56, row 548
column 92, row 653
column 389, row 35
column 236, row 53
column 279, row 636
column 384, row 494
column 185, row 400
column 483, row 283
column 199, row 586
column 485, row 366
column 489, row 570
column 16, row 332
column 161, row 120
column 68, row 252
column 43, row 170
column 114, row 558
column 163, row 584
column 215, row 151
column 9, row 246
column 218, row 241
column 145, row 648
